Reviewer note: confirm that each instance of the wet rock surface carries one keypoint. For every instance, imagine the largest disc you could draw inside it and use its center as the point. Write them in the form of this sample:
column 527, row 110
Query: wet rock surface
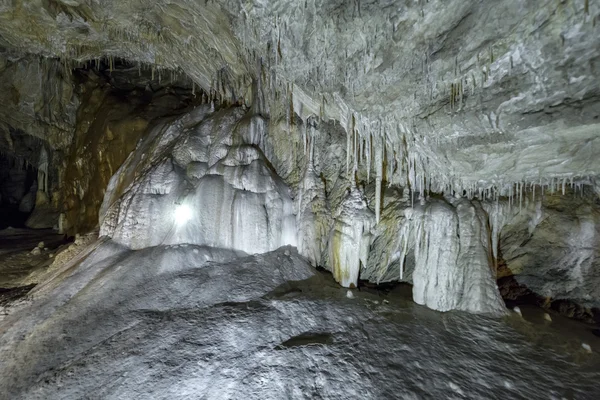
column 188, row 322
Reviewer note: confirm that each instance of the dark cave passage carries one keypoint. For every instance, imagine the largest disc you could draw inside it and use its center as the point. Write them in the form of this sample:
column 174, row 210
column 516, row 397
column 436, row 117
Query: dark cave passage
column 18, row 189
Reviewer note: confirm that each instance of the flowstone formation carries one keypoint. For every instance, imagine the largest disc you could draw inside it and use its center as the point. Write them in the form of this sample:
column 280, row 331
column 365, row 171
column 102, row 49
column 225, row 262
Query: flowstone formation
column 443, row 248
column 211, row 168
column 204, row 179
column 350, row 239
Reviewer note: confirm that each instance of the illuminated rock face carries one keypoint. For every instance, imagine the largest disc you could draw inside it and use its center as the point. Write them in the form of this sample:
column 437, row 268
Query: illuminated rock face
column 210, row 167
column 203, row 179
column 453, row 268
column 350, row 239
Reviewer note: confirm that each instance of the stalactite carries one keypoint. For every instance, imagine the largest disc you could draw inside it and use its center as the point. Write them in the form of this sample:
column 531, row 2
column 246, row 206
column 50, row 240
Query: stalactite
column 460, row 94
column 348, row 150
column 378, row 180
column 369, row 155
column 312, row 145
column 355, row 153
column 304, row 136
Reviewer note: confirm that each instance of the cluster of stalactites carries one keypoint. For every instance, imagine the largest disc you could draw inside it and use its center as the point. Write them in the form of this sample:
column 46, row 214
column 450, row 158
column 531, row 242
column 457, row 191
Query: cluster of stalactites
column 387, row 149
column 223, row 88
column 380, row 151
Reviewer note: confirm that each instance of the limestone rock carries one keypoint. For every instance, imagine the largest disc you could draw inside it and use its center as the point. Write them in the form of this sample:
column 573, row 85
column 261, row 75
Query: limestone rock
column 551, row 247
column 350, row 238
column 238, row 202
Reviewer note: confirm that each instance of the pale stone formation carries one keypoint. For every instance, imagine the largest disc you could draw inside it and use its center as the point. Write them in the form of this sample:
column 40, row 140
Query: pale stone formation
column 206, row 165
column 350, row 239
column 313, row 217
column 445, row 246
column 453, row 269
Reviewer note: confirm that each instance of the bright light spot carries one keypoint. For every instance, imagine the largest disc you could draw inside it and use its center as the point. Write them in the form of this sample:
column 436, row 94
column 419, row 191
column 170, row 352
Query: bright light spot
column 182, row 214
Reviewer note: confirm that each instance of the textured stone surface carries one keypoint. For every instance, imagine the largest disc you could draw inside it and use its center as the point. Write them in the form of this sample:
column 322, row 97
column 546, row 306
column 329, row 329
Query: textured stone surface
column 551, row 246
column 182, row 322
column 403, row 102
column 460, row 83
column 37, row 100
column 208, row 165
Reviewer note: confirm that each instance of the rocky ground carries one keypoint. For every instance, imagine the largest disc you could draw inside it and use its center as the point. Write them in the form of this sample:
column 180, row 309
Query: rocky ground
column 186, row 321
column 24, row 252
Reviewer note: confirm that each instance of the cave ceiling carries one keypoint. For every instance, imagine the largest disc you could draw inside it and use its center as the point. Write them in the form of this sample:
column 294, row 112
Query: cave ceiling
column 466, row 94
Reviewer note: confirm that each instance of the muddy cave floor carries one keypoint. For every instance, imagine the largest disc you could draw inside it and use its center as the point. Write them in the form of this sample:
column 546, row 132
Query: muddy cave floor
column 259, row 327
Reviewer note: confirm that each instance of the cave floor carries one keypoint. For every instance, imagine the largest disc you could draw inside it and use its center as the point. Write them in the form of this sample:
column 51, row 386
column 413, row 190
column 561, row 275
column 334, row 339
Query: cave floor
column 189, row 322
column 17, row 263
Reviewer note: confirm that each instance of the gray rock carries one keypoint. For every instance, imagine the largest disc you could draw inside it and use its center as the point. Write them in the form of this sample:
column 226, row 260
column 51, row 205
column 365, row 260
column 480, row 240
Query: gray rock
column 173, row 323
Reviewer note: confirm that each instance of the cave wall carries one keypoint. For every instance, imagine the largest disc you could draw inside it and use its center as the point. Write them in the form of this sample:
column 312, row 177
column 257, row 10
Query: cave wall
column 77, row 124
column 16, row 182
column 551, row 246
column 38, row 107
column 38, row 99
column 114, row 114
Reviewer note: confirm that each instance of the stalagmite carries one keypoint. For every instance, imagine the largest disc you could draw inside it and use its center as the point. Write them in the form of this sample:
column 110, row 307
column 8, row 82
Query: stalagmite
column 452, row 268
column 349, row 239
column 42, row 177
